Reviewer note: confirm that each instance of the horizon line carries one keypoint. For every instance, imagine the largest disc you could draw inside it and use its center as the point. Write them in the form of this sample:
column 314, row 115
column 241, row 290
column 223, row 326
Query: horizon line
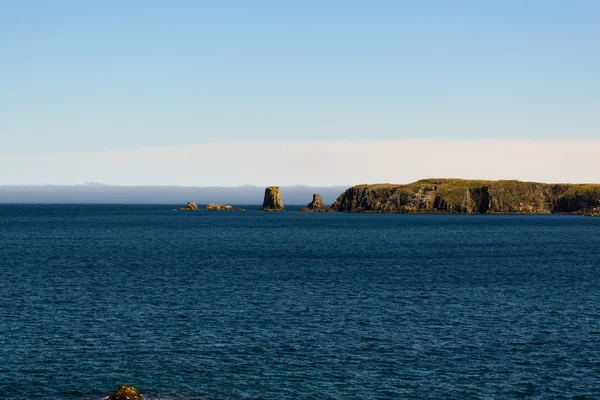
column 313, row 163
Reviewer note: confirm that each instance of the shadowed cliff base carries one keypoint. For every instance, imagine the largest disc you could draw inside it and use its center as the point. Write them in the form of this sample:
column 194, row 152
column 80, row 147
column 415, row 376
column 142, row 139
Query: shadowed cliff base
column 594, row 212
column 458, row 196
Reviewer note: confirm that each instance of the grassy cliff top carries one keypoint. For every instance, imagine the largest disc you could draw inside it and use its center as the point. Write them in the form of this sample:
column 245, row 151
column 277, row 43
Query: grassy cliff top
column 475, row 183
column 583, row 189
column 379, row 186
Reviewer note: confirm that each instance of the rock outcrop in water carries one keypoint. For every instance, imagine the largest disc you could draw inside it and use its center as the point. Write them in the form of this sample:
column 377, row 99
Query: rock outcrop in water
column 221, row 207
column 190, row 206
column 470, row 197
column 272, row 200
column 125, row 393
column 593, row 212
column 316, row 205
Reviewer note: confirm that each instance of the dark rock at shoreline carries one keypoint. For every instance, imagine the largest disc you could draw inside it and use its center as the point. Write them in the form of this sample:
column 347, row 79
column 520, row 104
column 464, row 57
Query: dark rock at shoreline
column 221, row 207
column 594, row 212
column 125, row 393
column 316, row 205
column 460, row 196
column 272, row 200
column 190, row 206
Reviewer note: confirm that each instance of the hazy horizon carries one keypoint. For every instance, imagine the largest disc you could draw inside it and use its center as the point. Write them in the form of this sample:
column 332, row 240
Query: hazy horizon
column 99, row 193
column 94, row 193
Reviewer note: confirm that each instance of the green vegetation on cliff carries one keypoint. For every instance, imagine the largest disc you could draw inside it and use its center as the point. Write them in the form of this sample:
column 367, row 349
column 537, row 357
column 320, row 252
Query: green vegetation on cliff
column 470, row 197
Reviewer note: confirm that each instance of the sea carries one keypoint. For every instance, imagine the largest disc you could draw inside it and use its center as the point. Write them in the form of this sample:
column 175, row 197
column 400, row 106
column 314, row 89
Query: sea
column 289, row 305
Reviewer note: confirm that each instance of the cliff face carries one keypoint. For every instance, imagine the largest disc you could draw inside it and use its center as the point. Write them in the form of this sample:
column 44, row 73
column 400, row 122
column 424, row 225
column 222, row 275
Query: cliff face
column 272, row 200
column 316, row 205
column 579, row 197
column 469, row 197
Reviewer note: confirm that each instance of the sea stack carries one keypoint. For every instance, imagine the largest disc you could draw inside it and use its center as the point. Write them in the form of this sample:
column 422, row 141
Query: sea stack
column 272, row 201
column 316, row 205
column 125, row 393
column 190, row 206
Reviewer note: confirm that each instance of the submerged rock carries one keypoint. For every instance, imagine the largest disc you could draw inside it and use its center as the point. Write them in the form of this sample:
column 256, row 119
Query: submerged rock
column 125, row 393
column 221, row 207
column 272, row 201
column 316, row 205
column 190, row 206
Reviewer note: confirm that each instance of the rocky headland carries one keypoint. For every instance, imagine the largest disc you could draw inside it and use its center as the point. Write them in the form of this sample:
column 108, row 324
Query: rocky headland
column 221, row 207
column 460, row 196
column 190, row 206
column 316, row 205
column 272, row 200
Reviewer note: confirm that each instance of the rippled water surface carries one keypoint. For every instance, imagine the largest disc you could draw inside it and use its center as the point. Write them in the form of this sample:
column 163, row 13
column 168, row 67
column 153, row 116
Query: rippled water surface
column 252, row 305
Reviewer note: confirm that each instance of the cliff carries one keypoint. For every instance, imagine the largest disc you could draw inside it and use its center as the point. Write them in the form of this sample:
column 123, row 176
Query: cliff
column 470, row 197
column 272, row 200
column 316, row 205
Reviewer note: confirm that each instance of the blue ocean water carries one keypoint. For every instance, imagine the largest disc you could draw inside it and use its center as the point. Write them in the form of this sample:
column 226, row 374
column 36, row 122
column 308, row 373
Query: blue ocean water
column 253, row 305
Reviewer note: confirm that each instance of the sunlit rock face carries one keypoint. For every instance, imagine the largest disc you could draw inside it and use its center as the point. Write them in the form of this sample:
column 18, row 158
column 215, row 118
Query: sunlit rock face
column 190, row 206
column 222, row 207
column 460, row 196
column 272, row 200
column 593, row 212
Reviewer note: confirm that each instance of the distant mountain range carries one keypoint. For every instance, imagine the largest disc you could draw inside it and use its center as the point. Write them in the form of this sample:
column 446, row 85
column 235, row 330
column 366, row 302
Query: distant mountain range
column 94, row 193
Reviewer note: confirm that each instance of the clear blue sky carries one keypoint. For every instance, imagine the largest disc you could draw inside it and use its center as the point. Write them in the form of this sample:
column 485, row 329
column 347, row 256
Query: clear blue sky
column 94, row 75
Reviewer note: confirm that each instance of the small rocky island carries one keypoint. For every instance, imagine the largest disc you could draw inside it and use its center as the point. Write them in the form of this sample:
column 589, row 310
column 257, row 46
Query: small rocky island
column 125, row 393
column 190, row 206
column 272, row 200
column 221, row 207
column 316, row 205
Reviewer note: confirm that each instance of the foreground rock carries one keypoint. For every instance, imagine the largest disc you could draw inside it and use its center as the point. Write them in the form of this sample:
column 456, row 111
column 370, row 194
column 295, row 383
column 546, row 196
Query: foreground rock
column 125, row 393
column 191, row 206
column 221, row 207
column 316, row 205
column 470, row 197
column 272, row 200
column 594, row 212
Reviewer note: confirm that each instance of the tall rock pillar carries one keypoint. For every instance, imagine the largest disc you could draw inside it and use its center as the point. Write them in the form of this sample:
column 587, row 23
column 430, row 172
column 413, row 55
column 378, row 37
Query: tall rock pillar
column 272, row 201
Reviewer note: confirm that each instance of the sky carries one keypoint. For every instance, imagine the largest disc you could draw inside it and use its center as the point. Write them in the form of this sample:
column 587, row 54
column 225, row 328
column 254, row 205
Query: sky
column 86, row 87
